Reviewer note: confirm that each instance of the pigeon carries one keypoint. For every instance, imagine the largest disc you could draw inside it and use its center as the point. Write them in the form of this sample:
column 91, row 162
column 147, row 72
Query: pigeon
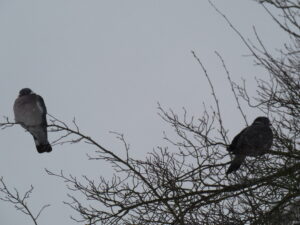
column 30, row 112
column 254, row 140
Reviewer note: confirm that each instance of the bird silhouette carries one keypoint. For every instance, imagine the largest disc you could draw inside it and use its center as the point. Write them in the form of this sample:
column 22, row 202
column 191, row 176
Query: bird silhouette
column 254, row 140
column 30, row 112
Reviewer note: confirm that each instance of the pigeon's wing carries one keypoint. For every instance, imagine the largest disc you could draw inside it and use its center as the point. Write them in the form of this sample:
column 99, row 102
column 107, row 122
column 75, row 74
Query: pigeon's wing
column 257, row 140
column 40, row 130
column 42, row 107
column 40, row 134
column 233, row 145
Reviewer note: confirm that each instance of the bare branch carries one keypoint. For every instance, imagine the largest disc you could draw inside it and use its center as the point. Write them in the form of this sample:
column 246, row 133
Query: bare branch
column 20, row 202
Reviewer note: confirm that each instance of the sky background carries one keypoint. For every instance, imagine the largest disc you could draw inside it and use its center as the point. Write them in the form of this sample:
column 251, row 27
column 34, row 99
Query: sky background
column 107, row 63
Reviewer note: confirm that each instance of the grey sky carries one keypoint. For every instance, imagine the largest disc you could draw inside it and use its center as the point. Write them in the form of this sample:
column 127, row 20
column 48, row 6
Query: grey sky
column 108, row 63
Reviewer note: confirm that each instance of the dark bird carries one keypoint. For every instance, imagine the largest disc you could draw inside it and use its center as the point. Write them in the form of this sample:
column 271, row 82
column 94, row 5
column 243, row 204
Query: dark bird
column 254, row 140
column 30, row 112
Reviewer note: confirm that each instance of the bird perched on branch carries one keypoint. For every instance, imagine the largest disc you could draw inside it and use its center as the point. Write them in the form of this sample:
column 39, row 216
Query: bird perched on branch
column 254, row 140
column 30, row 112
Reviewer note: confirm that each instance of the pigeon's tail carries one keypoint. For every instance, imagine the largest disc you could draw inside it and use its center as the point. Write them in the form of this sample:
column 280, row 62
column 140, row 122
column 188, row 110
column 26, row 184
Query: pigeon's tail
column 41, row 148
column 39, row 134
column 236, row 163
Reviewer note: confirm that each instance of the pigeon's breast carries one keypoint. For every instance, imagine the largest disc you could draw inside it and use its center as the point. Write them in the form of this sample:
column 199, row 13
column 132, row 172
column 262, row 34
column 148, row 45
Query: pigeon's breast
column 27, row 112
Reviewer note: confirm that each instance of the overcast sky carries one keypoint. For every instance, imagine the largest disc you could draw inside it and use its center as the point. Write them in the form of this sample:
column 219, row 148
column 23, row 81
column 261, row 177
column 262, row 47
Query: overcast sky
column 108, row 63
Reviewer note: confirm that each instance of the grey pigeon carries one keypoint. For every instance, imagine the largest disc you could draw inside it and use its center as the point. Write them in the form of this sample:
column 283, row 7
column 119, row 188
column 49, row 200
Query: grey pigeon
column 254, row 140
column 30, row 112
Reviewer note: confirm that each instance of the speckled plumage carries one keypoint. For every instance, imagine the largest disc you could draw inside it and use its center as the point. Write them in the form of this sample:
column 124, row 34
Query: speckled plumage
column 254, row 140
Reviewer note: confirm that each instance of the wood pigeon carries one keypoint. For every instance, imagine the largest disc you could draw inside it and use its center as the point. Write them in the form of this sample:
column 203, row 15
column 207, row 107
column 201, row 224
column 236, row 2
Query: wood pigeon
column 30, row 112
column 254, row 140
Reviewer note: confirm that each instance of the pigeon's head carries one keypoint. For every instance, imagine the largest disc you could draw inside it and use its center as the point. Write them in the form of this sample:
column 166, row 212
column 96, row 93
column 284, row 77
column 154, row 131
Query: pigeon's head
column 262, row 121
column 25, row 91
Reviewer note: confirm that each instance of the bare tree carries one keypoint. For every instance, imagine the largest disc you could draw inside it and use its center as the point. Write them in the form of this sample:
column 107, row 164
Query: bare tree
column 19, row 201
column 187, row 184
